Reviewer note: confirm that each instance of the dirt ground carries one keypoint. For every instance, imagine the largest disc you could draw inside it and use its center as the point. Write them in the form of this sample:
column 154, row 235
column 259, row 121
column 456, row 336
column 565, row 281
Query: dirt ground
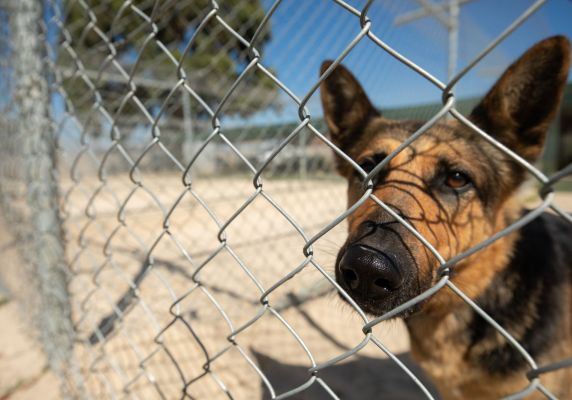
column 24, row 373
column 169, row 327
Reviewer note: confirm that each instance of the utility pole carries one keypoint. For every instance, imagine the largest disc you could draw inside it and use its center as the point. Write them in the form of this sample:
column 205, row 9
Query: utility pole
column 447, row 13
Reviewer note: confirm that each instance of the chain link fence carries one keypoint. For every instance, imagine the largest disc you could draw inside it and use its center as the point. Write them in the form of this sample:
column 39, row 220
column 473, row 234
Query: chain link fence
column 176, row 239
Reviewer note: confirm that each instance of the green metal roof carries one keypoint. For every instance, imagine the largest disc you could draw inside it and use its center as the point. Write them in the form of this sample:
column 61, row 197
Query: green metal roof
column 567, row 99
column 416, row 112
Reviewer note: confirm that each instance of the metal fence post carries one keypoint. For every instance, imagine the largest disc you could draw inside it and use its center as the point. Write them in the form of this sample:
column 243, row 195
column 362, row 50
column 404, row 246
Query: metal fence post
column 44, row 239
column 187, row 147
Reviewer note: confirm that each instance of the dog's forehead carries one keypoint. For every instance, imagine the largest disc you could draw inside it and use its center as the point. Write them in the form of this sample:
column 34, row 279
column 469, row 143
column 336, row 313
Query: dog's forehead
column 446, row 138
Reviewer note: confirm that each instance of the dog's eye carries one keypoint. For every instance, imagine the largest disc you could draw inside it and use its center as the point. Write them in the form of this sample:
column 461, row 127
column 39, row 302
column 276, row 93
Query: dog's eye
column 368, row 165
column 457, row 180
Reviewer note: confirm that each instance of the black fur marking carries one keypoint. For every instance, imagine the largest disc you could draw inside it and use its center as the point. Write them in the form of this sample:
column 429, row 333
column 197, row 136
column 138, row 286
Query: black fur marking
column 526, row 297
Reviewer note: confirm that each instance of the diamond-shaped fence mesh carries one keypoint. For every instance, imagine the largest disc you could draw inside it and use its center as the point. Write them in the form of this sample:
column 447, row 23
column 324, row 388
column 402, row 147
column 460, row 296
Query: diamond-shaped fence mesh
column 168, row 248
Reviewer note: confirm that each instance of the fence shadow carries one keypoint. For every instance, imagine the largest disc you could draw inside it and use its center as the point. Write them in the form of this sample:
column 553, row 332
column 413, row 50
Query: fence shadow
column 375, row 377
column 362, row 378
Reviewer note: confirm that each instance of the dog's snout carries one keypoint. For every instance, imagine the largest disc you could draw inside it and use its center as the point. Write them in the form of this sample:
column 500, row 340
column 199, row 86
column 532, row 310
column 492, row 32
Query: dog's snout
column 369, row 273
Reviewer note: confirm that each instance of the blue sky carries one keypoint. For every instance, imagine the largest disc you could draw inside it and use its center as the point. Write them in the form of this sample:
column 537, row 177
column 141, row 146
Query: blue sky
column 306, row 32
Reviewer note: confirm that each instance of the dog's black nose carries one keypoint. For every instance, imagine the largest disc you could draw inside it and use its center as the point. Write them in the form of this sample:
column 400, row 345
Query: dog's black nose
column 368, row 273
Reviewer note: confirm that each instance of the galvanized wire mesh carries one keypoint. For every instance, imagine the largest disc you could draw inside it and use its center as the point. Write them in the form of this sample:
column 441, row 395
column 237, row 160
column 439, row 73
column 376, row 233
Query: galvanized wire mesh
column 193, row 246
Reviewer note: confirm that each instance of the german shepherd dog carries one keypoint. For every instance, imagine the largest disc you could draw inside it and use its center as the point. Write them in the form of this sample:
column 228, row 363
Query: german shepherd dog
column 456, row 189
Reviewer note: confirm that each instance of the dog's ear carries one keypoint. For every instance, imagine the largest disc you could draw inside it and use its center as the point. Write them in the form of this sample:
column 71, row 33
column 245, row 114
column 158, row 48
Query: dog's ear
column 519, row 108
column 347, row 108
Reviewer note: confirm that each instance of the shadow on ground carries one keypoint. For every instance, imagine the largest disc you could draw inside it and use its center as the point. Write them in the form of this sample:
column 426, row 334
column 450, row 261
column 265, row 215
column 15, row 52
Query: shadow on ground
column 362, row 378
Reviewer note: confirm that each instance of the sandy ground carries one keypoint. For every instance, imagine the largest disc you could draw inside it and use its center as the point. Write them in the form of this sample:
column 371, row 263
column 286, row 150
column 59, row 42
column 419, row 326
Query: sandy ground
column 156, row 340
column 23, row 369
column 24, row 372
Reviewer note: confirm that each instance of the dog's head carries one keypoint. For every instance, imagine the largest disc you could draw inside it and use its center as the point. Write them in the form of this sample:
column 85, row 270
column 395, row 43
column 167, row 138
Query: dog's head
column 453, row 186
